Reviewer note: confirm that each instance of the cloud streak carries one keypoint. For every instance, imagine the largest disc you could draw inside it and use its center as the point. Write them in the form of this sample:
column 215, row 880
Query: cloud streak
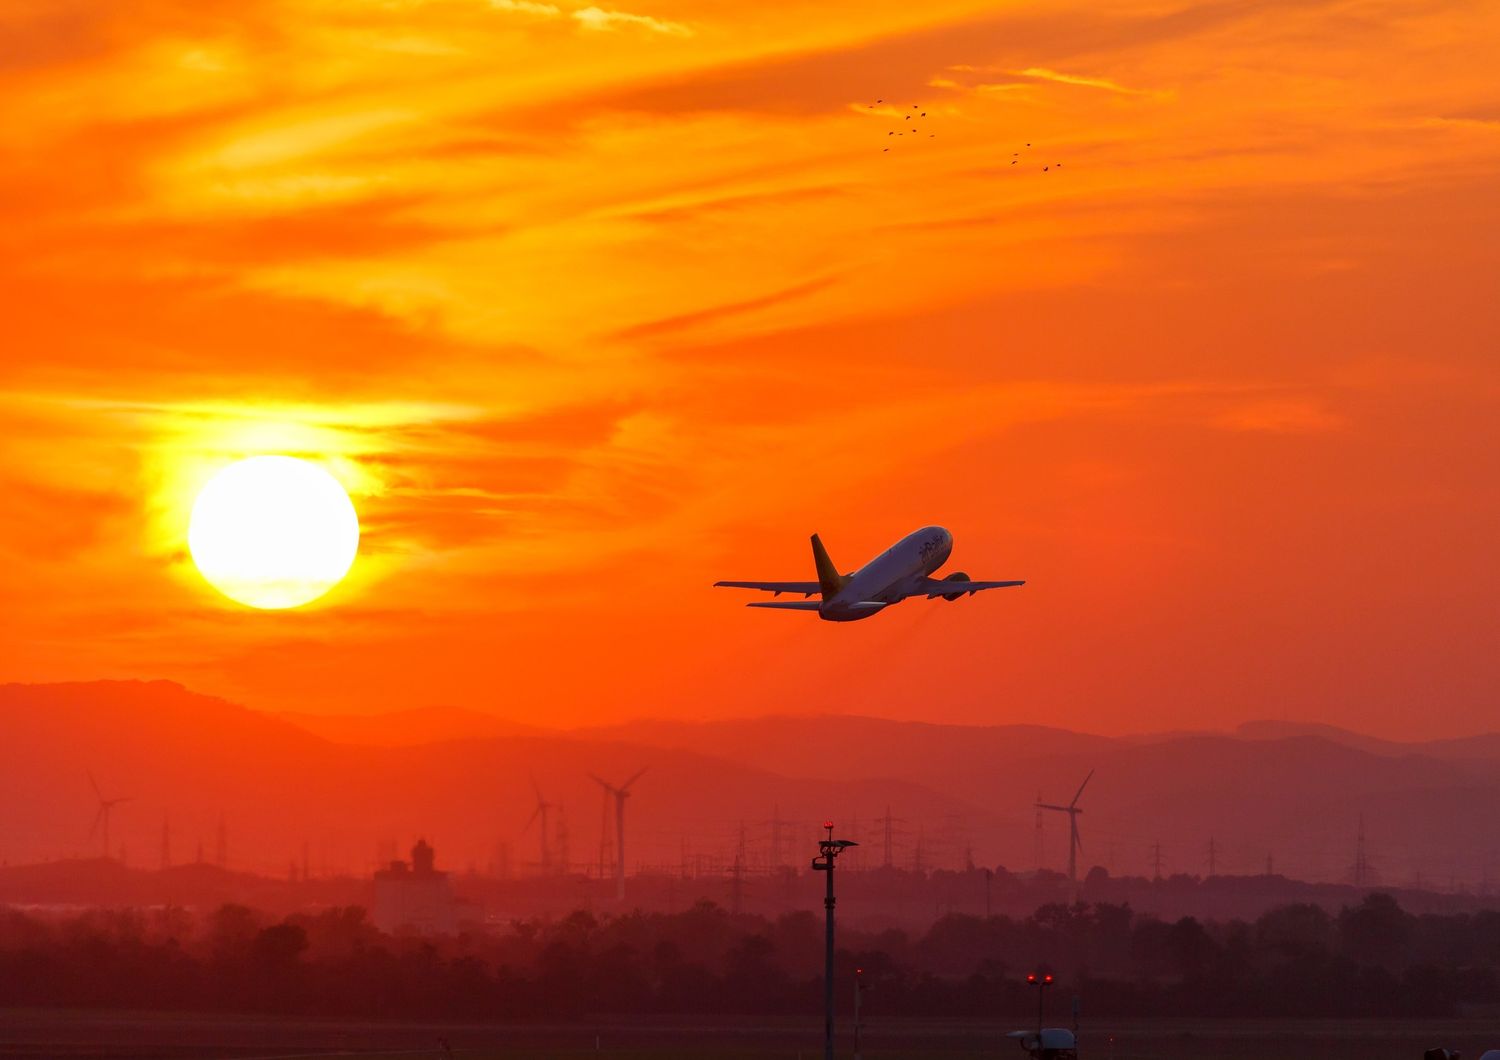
column 1103, row 83
column 598, row 18
column 595, row 19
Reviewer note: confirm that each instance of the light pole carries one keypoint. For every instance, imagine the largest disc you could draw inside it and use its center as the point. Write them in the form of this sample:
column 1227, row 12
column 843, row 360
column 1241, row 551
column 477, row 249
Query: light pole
column 1040, row 980
column 829, row 849
column 859, row 989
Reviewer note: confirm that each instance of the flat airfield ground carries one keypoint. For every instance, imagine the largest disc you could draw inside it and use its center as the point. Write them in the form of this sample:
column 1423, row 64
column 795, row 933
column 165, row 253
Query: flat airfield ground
column 28, row 1034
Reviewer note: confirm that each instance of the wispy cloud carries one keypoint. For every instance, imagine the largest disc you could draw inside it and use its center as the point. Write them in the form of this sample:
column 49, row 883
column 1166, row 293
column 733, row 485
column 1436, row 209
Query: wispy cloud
column 594, row 18
column 598, row 18
column 715, row 314
column 528, row 7
column 1040, row 73
column 1486, row 124
column 1282, row 416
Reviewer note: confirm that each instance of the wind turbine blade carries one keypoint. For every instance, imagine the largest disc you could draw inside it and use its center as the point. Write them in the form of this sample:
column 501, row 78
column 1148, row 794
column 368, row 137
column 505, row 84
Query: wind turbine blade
column 532, row 819
column 606, row 785
column 1078, row 840
column 1081, row 787
column 95, row 785
column 625, row 786
column 1049, row 806
column 97, row 818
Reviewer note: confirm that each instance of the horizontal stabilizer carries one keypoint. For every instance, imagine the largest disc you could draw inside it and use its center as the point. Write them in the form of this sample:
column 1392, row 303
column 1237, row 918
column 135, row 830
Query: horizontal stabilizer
column 788, row 605
column 802, row 588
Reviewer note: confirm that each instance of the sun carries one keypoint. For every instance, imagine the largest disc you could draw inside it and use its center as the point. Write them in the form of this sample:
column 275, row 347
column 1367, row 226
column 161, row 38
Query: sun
column 273, row 532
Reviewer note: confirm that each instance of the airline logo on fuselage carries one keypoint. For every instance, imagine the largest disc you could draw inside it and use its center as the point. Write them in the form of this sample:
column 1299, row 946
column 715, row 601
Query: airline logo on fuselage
column 931, row 546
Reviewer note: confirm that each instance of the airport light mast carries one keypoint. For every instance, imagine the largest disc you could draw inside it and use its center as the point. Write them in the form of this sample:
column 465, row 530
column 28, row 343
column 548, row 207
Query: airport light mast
column 859, row 989
column 1040, row 980
column 829, row 849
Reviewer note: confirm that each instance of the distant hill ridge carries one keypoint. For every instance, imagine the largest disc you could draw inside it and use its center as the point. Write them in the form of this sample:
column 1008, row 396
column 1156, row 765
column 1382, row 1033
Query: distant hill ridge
column 463, row 778
column 187, row 762
column 436, row 723
column 411, row 725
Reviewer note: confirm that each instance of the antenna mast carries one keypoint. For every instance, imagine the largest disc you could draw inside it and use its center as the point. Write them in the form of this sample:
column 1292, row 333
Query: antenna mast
column 1361, row 864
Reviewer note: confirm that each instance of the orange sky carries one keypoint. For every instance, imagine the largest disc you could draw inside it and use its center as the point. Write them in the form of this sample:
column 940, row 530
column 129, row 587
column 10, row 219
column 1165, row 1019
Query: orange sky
column 589, row 306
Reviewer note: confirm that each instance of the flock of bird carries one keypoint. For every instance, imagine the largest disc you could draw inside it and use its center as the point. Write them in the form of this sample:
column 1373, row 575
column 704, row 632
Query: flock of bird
column 916, row 129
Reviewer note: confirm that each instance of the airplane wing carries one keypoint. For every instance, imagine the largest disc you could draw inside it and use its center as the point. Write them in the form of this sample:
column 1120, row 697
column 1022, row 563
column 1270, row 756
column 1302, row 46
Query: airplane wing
column 805, row 588
column 933, row 587
column 788, row 605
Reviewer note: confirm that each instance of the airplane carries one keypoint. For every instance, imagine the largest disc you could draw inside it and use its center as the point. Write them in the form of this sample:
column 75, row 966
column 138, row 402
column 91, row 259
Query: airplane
column 900, row 571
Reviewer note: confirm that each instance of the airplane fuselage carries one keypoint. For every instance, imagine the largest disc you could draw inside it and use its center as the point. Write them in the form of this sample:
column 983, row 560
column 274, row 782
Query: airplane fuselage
column 891, row 576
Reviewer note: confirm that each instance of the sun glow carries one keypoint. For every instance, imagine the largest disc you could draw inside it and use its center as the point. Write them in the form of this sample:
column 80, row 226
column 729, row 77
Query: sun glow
column 273, row 532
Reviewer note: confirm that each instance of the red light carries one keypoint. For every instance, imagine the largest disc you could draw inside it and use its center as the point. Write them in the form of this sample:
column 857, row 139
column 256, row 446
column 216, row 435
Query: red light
column 1031, row 978
column 827, row 824
column 859, row 971
column 1048, row 979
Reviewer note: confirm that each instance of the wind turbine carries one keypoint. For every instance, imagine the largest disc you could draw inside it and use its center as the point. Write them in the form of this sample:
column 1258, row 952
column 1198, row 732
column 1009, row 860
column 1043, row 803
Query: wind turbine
column 542, row 806
column 1072, row 809
column 606, row 846
column 621, row 793
column 105, row 806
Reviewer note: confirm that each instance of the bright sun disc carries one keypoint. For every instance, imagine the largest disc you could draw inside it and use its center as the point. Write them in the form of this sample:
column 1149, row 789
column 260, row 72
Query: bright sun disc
column 273, row 532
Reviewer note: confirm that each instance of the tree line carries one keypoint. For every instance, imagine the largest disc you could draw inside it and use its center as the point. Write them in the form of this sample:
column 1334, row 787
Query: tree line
column 1368, row 959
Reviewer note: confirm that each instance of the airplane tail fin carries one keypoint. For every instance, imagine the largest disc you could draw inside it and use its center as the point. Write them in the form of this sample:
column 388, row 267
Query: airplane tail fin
column 829, row 578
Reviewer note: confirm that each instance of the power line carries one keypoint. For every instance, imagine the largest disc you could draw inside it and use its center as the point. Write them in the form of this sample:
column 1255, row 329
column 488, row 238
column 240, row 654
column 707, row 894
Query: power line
column 888, row 823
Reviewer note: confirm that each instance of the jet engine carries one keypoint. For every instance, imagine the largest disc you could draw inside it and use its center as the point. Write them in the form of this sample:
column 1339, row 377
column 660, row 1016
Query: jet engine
column 956, row 576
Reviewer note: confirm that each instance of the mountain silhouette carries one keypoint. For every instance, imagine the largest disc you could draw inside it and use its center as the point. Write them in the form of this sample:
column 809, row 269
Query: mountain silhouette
column 401, row 728
column 349, row 786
